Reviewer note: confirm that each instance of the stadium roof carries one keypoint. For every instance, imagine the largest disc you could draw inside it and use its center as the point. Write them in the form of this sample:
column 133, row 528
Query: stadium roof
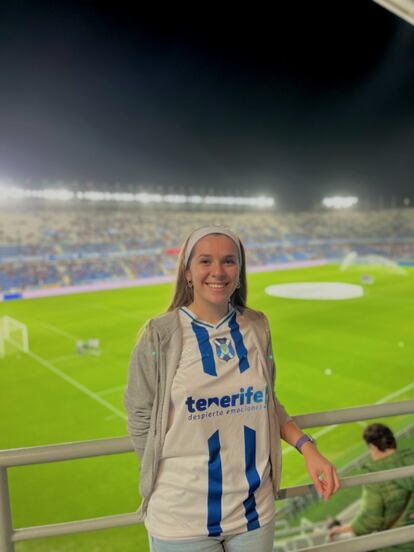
column 296, row 106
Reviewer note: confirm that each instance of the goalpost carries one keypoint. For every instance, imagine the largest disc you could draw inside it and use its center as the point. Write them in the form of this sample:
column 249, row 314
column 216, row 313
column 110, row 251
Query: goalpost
column 14, row 333
column 387, row 266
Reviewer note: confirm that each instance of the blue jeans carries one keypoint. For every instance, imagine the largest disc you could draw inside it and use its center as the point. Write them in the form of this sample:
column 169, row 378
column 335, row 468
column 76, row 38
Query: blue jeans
column 258, row 540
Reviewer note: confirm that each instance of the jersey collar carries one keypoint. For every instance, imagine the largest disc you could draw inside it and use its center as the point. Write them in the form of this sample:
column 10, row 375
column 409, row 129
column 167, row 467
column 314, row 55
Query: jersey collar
column 196, row 320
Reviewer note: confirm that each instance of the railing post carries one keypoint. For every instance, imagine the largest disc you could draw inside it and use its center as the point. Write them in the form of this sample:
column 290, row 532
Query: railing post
column 6, row 527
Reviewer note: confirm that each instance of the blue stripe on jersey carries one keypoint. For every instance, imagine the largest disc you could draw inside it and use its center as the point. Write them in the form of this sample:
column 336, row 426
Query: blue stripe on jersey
column 238, row 342
column 225, row 318
column 206, row 351
column 215, row 486
column 252, row 477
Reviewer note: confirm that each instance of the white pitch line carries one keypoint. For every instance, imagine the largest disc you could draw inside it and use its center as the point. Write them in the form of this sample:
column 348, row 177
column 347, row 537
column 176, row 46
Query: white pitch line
column 78, row 385
column 58, row 331
column 396, row 393
column 63, row 358
column 328, row 429
column 111, row 390
column 119, row 312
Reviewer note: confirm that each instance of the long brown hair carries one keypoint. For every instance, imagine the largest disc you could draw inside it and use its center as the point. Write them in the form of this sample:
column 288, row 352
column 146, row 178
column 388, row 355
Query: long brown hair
column 183, row 295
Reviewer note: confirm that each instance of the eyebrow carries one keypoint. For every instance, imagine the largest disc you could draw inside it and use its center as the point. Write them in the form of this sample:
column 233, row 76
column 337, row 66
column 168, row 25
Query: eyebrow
column 224, row 256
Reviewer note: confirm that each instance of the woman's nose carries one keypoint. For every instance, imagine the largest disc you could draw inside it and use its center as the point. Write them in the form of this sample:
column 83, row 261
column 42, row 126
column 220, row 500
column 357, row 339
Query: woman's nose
column 217, row 269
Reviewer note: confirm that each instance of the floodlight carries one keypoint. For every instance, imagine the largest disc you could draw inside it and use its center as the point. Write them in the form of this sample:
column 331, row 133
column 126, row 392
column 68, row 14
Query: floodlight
column 12, row 192
column 339, row 202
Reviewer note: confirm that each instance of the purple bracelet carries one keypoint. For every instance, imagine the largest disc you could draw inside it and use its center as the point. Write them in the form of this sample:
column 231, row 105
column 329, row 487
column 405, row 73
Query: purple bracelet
column 302, row 440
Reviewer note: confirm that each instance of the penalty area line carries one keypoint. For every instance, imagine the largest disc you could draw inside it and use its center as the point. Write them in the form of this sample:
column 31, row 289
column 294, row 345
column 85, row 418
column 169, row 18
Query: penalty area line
column 94, row 396
column 58, row 331
column 63, row 358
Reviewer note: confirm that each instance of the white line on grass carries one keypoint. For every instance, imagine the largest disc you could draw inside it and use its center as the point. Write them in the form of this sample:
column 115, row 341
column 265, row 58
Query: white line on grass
column 111, row 390
column 58, row 331
column 118, row 312
column 69, row 336
column 79, row 386
column 328, row 429
column 63, row 358
column 396, row 393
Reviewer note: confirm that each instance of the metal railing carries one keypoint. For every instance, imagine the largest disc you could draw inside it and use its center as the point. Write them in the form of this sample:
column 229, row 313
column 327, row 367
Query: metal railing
column 118, row 445
column 301, row 504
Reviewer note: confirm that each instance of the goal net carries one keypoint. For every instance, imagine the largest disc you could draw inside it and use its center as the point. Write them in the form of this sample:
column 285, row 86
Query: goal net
column 371, row 262
column 13, row 336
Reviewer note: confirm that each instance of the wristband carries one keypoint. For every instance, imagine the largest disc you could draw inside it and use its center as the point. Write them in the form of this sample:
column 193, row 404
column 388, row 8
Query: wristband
column 302, row 440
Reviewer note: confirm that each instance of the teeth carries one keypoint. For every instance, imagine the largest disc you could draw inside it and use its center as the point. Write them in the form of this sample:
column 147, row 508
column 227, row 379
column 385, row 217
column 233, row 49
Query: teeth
column 216, row 285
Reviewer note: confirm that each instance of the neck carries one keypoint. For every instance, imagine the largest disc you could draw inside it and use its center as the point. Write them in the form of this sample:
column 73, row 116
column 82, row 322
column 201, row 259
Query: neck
column 209, row 313
column 380, row 454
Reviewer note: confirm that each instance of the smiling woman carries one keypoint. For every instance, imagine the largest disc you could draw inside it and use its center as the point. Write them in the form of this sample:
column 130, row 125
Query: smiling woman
column 213, row 273
column 202, row 413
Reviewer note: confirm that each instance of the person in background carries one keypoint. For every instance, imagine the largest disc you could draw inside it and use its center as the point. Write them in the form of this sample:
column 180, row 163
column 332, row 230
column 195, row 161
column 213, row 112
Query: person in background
column 384, row 505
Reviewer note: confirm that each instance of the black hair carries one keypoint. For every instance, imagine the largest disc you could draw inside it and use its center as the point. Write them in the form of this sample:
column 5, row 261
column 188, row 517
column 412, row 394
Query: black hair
column 381, row 436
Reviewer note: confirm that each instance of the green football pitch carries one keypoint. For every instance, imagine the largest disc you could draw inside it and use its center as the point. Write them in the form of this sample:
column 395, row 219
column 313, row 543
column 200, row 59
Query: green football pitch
column 329, row 354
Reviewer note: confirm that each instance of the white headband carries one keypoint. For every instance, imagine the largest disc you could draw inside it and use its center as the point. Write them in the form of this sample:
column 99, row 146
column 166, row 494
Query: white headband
column 205, row 231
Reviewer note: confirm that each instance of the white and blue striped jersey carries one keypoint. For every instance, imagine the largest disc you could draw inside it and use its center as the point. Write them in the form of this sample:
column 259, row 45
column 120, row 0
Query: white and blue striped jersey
column 214, row 474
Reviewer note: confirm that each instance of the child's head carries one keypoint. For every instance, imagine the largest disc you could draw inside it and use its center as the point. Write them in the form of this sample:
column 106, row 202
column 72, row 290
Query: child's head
column 380, row 436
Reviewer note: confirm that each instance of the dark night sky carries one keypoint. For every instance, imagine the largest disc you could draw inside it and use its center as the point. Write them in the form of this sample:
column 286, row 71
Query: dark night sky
column 313, row 99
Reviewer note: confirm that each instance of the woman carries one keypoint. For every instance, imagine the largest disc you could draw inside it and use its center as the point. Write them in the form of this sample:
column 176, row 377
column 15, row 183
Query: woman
column 202, row 413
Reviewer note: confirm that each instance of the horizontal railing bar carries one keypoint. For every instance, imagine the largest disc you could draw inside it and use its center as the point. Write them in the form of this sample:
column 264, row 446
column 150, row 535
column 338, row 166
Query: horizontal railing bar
column 366, row 543
column 117, row 445
column 352, row 481
column 70, row 527
column 65, row 451
column 129, row 519
column 356, row 414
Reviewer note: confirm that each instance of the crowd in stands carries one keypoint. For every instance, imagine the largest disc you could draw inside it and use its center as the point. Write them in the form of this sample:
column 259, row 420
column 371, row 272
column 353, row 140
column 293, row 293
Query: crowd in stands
column 65, row 245
column 19, row 275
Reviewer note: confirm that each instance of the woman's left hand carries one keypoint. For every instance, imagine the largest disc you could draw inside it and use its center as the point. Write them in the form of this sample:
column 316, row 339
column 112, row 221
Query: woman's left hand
column 321, row 471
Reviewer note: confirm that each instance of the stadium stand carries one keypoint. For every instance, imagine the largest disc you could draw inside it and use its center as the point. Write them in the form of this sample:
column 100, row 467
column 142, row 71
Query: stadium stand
column 49, row 245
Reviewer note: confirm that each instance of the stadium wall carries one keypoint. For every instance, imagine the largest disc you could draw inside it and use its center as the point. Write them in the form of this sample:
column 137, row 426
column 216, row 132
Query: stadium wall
column 120, row 284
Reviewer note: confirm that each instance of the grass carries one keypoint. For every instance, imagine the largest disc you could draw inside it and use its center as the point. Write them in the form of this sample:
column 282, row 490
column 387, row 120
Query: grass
column 366, row 342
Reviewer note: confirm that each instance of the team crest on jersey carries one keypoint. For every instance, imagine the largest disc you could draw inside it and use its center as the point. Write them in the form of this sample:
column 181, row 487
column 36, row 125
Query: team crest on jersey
column 224, row 348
